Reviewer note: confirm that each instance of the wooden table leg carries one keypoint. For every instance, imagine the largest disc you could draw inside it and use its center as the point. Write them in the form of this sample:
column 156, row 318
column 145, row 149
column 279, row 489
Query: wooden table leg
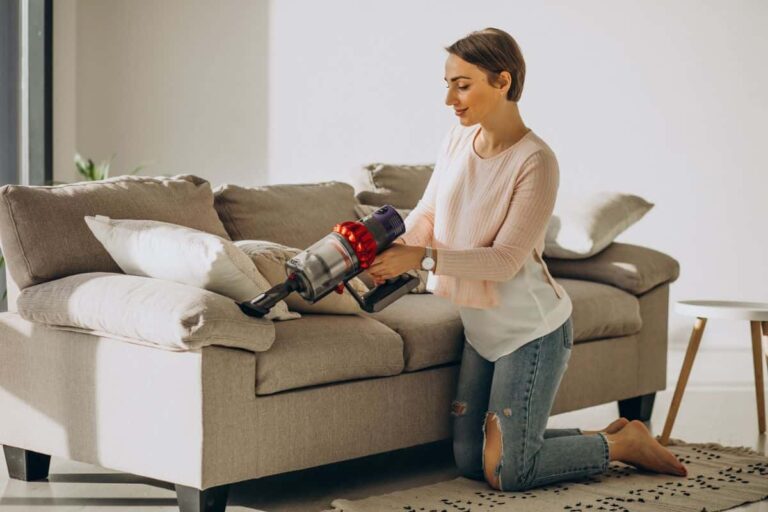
column 765, row 333
column 690, row 355
column 757, row 358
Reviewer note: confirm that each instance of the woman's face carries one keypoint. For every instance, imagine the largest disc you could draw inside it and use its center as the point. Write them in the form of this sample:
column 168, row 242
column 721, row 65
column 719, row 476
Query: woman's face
column 469, row 93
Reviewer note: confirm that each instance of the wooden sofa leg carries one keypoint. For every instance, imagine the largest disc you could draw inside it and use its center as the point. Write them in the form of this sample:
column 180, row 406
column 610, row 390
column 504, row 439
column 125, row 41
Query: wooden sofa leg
column 208, row 500
column 25, row 464
column 637, row 408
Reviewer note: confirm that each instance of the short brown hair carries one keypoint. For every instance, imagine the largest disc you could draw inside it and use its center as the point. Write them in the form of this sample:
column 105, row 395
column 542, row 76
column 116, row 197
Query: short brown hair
column 494, row 51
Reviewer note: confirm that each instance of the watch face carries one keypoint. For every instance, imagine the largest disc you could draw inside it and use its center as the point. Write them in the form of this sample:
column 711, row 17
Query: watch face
column 427, row 263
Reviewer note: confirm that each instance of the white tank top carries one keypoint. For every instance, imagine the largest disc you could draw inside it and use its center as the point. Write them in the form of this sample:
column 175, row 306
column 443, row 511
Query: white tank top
column 528, row 309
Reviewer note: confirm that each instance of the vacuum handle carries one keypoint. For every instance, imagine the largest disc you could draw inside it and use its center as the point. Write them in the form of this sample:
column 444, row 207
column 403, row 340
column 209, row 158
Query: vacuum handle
column 385, row 294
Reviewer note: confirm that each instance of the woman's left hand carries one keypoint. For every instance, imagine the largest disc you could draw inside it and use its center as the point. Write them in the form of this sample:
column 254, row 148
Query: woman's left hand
column 395, row 260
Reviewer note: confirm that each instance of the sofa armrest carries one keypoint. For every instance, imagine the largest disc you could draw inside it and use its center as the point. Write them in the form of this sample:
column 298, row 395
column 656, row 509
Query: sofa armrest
column 145, row 310
column 632, row 268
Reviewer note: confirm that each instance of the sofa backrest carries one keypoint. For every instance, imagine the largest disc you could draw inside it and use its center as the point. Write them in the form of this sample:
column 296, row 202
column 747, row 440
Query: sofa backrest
column 296, row 215
column 43, row 235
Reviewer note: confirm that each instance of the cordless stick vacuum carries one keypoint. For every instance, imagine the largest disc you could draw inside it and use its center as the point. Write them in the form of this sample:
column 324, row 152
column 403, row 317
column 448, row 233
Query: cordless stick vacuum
column 330, row 263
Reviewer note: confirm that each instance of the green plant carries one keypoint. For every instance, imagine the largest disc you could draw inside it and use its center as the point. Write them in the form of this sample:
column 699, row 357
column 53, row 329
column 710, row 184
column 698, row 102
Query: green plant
column 93, row 172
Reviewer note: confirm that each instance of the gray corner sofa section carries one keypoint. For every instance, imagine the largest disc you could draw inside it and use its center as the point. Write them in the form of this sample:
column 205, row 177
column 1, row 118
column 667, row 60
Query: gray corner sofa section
column 207, row 418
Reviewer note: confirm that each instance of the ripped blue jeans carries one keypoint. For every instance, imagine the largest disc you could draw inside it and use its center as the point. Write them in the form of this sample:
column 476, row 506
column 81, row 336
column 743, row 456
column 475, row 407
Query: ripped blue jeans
column 520, row 389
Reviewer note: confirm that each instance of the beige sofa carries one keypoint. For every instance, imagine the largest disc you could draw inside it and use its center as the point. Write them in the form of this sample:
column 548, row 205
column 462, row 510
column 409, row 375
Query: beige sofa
column 206, row 418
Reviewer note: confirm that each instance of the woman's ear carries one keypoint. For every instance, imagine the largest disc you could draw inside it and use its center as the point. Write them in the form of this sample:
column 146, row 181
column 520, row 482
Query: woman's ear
column 505, row 80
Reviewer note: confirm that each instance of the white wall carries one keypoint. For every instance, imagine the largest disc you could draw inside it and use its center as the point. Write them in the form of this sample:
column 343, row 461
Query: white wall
column 666, row 100
column 662, row 99
column 64, row 89
column 178, row 86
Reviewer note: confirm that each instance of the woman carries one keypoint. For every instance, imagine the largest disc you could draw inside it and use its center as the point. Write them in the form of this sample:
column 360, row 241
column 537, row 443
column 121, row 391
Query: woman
column 484, row 215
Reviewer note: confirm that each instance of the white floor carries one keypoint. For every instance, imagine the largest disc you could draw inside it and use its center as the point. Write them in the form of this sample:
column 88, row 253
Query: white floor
column 719, row 406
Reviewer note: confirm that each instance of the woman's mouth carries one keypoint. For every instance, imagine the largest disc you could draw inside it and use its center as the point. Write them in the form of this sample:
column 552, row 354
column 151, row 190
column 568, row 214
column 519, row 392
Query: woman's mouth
column 461, row 112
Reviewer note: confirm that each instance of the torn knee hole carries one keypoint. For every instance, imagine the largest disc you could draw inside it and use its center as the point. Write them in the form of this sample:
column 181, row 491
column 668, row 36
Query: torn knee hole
column 493, row 475
column 507, row 412
column 458, row 408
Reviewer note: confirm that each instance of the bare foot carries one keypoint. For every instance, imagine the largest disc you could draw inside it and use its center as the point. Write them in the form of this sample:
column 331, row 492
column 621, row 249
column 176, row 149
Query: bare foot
column 614, row 427
column 645, row 452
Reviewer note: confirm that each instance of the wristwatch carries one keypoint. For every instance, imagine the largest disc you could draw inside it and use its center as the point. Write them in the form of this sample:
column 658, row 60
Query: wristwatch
column 427, row 262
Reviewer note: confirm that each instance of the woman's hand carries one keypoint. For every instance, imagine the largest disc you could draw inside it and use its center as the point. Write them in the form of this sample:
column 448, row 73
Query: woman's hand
column 395, row 260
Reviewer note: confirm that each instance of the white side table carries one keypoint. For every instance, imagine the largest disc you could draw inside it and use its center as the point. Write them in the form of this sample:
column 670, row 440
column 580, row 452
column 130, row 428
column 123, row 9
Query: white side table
column 754, row 312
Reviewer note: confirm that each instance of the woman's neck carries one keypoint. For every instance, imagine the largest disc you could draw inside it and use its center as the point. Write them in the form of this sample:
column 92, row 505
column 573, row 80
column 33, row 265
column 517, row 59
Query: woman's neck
column 502, row 128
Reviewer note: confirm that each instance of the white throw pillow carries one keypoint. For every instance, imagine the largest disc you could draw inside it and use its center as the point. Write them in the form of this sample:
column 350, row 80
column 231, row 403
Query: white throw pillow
column 184, row 255
column 270, row 258
column 582, row 227
column 363, row 210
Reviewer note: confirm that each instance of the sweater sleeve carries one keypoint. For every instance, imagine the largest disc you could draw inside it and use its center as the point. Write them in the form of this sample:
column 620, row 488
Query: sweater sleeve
column 420, row 223
column 528, row 215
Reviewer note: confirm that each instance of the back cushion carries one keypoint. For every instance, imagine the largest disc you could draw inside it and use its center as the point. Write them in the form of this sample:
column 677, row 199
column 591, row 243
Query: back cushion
column 399, row 185
column 296, row 215
column 44, row 236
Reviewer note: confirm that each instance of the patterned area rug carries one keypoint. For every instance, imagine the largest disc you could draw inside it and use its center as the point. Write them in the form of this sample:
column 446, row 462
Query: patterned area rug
column 719, row 478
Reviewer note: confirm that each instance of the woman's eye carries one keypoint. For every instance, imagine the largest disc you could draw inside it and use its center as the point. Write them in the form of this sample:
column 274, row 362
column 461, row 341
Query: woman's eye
column 464, row 87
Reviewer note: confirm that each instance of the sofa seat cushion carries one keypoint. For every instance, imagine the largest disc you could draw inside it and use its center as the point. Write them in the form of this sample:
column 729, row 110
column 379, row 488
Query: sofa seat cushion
column 433, row 333
column 601, row 311
column 321, row 349
column 430, row 326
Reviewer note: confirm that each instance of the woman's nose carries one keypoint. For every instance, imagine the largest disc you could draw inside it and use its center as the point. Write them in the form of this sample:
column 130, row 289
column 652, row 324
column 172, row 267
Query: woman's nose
column 449, row 98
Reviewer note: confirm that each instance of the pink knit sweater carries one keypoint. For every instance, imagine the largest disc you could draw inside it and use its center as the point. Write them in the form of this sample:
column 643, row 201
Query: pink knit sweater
column 485, row 216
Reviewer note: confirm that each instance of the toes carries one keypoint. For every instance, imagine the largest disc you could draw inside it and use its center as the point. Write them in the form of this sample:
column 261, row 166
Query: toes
column 617, row 425
column 651, row 456
column 681, row 469
column 675, row 466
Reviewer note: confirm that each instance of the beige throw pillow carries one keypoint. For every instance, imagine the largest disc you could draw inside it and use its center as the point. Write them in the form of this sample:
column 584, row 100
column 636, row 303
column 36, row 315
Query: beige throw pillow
column 184, row 255
column 294, row 214
column 364, row 210
column 270, row 258
column 144, row 310
column 400, row 185
column 582, row 227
